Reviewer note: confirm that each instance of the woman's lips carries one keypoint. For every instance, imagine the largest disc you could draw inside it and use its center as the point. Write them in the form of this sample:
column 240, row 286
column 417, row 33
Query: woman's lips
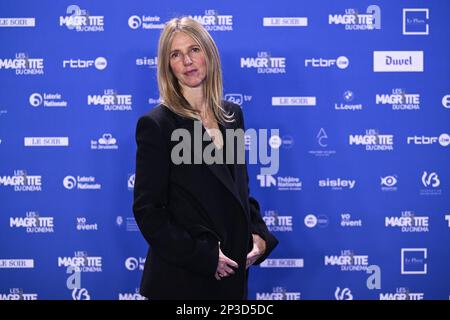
column 191, row 72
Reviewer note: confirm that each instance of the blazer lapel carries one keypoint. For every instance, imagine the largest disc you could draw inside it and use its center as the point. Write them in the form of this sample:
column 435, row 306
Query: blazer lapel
column 219, row 170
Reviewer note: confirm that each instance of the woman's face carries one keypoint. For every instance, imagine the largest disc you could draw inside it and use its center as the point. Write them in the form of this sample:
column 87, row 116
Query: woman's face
column 187, row 61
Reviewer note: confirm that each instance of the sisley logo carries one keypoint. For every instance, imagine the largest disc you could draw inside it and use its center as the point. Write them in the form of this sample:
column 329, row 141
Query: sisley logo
column 398, row 61
column 151, row 63
column 337, row 184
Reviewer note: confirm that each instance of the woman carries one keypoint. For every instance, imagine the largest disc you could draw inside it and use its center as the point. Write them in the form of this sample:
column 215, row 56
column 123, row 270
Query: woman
column 203, row 229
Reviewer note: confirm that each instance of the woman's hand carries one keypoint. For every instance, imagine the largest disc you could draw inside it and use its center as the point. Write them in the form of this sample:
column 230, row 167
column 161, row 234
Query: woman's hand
column 259, row 247
column 224, row 266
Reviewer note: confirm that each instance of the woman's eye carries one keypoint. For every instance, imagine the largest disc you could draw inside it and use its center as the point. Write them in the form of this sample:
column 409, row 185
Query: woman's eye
column 196, row 49
column 174, row 55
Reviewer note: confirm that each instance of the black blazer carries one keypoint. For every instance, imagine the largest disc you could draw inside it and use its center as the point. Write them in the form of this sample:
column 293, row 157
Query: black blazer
column 184, row 211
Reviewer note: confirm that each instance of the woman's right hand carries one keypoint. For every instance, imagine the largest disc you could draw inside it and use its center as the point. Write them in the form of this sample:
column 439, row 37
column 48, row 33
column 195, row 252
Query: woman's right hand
column 224, row 266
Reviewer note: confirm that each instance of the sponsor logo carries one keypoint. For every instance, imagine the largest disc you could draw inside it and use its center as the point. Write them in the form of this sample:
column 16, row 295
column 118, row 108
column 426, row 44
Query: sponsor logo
column 281, row 183
column 282, row 263
column 100, row 63
column 106, row 142
column 285, row 22
column 293, row 101
column 408, row 222
column 341, row 62
column 337, row 184
column 133, row 263
column 46, row 141
column 17, row 22
column 81, row 262
column 33, row 223
column 277, row 223
column 443, row 140
column 213, row 21
column 343, row 294
column 111, row 101
column 264, row 62
column 22, row 181
column 23, row 64
column 415, row 21
column 348, row 103
column 16, row 263
column 398, row 61
column 414, row 260
column 81, row 183
column 145, row 22
column 347, row 221
column 278, row 293
column 81, row 20
column 399, row 100
column 47, row 100
column 18, row 294
column 402, row 294
column 373, row 140
column 389, row 183
column 348, row 261
column 353, row 20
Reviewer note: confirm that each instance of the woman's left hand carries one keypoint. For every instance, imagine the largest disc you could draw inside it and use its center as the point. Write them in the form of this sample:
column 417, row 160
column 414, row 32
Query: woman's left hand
column 259, row 247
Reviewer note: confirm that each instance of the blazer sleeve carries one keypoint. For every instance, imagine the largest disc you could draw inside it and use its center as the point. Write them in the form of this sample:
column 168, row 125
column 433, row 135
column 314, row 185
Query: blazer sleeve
column 170, row 241
column 258, row 226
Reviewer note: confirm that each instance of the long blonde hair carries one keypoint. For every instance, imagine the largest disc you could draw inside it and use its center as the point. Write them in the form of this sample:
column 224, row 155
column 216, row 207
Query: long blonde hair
column 169, row 88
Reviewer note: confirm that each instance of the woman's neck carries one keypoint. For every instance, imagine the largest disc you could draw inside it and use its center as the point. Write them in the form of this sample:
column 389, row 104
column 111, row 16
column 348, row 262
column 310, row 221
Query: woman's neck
column 196, row 99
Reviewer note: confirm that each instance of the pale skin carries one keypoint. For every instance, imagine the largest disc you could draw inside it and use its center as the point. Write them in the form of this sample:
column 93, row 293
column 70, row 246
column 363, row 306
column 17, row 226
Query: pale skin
column 188, row 64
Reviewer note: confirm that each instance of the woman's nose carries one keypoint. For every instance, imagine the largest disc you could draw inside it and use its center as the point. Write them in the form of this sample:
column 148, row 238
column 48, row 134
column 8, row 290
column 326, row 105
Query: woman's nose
column 187, row 60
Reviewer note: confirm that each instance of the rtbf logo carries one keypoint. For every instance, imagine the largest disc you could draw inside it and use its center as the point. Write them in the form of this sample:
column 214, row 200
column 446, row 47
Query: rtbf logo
column 341, row 62
column 99, row 63
column 443, row 140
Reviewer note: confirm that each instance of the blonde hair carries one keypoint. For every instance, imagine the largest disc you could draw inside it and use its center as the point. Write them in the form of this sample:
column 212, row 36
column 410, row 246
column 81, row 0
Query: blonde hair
column 169, row 88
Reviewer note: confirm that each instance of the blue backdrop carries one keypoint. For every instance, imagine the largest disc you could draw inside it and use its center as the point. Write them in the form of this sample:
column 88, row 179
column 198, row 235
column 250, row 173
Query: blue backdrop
column 359, row 91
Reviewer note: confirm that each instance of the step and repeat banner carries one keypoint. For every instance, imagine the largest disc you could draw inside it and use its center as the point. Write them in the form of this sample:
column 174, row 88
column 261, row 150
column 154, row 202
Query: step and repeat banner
column 359, row 91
